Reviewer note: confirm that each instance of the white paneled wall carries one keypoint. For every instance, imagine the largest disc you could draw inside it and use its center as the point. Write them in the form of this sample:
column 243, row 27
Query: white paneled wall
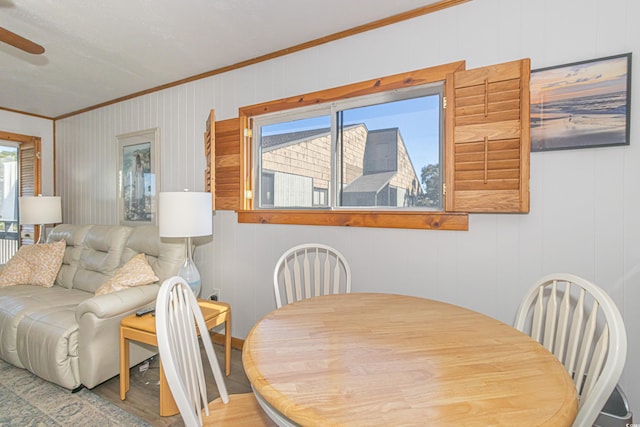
column 584, row 203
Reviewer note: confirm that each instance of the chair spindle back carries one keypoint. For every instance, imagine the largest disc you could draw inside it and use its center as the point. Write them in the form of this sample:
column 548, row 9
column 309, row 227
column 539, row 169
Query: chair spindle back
column 580, row 324
column 310, row 270
column 177, row 314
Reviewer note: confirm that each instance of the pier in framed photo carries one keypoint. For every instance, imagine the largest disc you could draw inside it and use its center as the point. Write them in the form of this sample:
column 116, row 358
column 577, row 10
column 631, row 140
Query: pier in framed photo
column 582, row 104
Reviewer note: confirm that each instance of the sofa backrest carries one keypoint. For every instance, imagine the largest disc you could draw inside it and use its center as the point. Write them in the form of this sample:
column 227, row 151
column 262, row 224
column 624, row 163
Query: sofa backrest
column 92, row 255
column 95, row 252
column 102, row 251
column 165, row 256
column 74, row 236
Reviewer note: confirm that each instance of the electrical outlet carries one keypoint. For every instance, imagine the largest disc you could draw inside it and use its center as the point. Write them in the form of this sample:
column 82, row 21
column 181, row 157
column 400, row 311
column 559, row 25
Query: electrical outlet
column 215, row 296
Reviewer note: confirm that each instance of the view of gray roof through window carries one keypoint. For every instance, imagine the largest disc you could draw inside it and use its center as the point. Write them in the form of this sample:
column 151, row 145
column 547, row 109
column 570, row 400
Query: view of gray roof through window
column 386, row 154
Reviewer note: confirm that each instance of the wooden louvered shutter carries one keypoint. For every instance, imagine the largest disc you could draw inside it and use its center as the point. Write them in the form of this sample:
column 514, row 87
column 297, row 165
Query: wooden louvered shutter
column 30, row 180
column 487, row 139
column 227, row 173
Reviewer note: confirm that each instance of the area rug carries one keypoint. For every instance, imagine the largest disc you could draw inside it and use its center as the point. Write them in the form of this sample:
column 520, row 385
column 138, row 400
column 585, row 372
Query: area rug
column 27, row 400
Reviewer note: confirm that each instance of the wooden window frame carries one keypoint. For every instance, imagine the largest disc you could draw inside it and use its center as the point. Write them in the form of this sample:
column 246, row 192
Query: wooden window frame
column 35, row 143
column 422, row 219
column 231, row 168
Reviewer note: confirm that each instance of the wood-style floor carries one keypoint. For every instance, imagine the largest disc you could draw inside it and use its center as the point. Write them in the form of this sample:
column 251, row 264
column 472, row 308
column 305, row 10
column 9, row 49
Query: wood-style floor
column 142, row 397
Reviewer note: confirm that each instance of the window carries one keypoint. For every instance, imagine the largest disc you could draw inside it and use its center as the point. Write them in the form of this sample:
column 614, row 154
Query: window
column 9, row 187
column 374, row 151
column 20, row 166
column 262, row 166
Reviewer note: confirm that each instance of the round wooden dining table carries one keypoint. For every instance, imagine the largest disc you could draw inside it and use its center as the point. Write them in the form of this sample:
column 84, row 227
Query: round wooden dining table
column 370, row 359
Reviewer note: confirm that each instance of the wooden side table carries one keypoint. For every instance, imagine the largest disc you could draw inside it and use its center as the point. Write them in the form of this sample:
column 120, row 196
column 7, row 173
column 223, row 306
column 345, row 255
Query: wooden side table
column 143, row 329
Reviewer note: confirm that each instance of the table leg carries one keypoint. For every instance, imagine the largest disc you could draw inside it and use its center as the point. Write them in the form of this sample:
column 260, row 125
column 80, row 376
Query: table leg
column 227, row 344
column 168, row 405
column 124, row 366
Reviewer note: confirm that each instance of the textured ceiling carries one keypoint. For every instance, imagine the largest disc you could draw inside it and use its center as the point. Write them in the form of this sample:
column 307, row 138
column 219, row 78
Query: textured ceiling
column 98, row 51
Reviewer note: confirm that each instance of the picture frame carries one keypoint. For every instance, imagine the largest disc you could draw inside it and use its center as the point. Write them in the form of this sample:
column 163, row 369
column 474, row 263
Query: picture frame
column 138, row 177
column 582, row 104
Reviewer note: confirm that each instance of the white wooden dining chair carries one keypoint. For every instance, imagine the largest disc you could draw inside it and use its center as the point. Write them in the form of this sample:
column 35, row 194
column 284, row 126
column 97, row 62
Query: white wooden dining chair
column 177, row 314
column 308, row 270
column 580, row 324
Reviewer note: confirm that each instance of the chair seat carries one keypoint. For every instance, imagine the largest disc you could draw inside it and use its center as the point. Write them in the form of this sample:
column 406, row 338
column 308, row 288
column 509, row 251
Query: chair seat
column 243, row 410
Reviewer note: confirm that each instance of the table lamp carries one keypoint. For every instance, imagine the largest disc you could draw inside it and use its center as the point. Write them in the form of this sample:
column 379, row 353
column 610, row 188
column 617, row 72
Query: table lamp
column 186, row 214
column 40, row 210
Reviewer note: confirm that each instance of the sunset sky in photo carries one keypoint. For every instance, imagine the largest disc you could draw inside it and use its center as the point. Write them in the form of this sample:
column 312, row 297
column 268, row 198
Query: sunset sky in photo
column 579, row 80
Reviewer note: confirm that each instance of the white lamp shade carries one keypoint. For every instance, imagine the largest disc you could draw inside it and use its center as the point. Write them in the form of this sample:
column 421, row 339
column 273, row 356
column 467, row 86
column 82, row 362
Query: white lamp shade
column 40, row 210
column 185, row 214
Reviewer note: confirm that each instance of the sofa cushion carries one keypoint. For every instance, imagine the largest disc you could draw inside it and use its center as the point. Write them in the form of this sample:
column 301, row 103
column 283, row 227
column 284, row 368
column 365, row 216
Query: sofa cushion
column 34, row 265
column 19, row 301
column 101, row 254
column 74, row 236
column 136, row 272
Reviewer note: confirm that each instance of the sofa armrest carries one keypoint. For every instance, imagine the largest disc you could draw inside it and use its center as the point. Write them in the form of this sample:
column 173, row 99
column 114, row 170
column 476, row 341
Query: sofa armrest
column 99, row 332
column 117, row 303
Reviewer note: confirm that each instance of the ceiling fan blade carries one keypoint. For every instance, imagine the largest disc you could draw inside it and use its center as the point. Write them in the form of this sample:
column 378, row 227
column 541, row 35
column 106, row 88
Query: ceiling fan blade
column 20, row 42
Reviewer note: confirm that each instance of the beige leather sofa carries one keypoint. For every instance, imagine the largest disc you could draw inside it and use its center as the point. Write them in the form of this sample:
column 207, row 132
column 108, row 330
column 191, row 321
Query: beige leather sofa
column 64, row 333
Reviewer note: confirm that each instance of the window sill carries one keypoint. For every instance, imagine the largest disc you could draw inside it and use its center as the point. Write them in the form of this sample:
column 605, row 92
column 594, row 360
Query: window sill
column 350, row 218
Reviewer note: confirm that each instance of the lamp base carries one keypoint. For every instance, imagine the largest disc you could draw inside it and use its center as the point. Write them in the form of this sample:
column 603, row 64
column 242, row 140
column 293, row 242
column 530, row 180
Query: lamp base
column 189, row 272
column 41, row 232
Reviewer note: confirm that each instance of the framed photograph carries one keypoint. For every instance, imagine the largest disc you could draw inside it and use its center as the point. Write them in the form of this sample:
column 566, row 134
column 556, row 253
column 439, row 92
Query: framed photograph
column 582, row 104
column 138, row 177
